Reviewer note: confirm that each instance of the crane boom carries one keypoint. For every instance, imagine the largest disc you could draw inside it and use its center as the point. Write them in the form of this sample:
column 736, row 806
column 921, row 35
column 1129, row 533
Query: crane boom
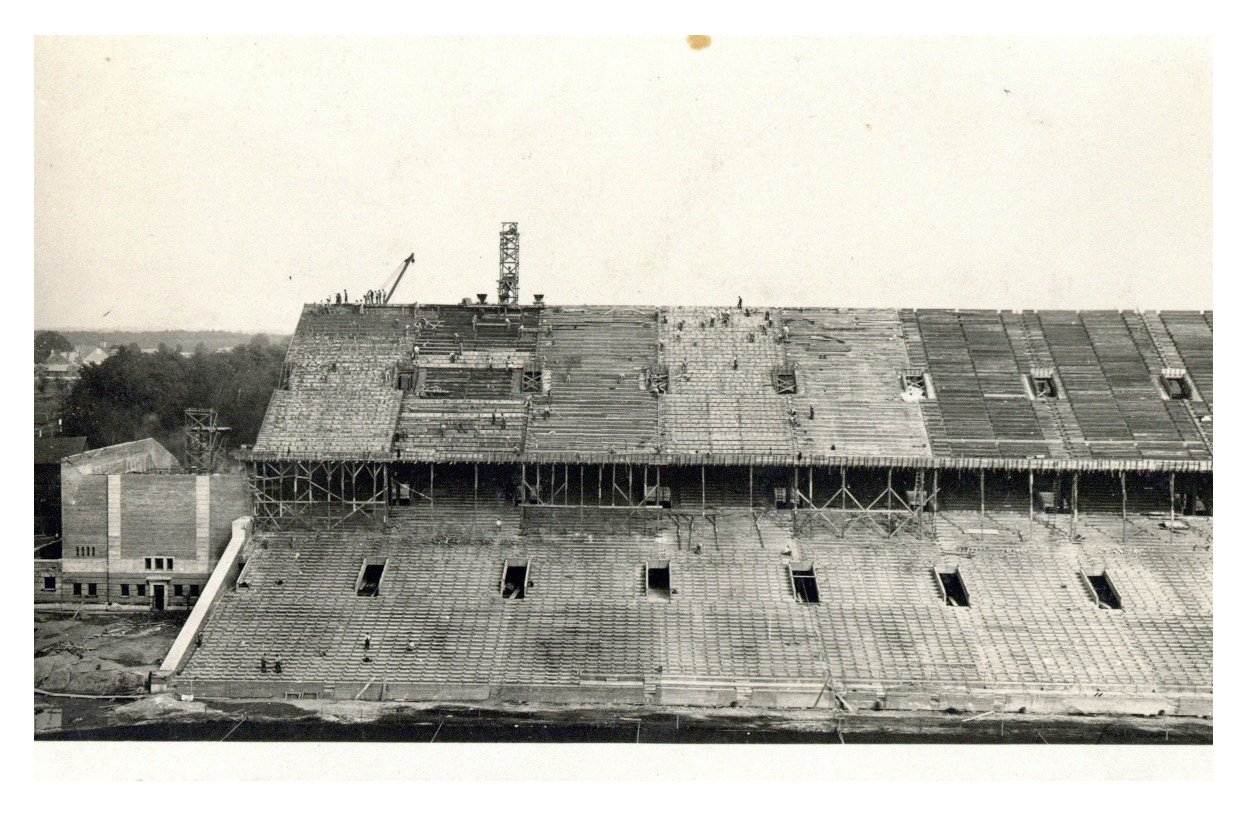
column 411, row 259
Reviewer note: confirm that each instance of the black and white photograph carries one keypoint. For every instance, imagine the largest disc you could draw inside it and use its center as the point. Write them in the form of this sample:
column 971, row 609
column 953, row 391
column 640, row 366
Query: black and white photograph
column 674, row 391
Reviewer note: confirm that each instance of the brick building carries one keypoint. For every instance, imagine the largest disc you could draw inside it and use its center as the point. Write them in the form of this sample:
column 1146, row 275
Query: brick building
column 137, row 529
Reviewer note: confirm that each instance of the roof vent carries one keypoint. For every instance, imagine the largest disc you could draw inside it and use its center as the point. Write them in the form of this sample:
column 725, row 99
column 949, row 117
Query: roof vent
column 537, row 299
column 481, row 296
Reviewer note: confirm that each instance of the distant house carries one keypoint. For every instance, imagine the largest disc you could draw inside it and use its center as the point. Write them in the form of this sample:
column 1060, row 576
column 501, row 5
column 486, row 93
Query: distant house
column 59, row 367
column 98, row 356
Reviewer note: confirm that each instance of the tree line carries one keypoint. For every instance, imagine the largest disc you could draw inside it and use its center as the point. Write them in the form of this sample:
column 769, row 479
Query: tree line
column 133, row 395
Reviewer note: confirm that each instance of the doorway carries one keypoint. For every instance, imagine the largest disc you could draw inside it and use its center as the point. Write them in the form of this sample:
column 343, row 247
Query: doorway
column 158, row 597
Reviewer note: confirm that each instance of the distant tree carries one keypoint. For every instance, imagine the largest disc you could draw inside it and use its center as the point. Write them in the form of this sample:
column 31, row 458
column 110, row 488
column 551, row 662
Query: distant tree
column 132, row 395
column 47, row 342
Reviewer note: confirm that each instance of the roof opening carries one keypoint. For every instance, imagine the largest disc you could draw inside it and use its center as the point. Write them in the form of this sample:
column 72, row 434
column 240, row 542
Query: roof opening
column 916, row 385
column 784, row 377
column 531, row 381
column 368, row 584
column 406, row 380
column 1176, row 384
column 1106, row 596
column 658, row 579
column 805, row 585
column 515, row 580
column 658, row 380
column 1042, row 384
column 953, row 588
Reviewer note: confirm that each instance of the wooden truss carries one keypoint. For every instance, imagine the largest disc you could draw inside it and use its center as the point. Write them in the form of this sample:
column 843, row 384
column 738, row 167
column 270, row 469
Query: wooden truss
column 606, row 486
column 888, row 512
column 317, row 494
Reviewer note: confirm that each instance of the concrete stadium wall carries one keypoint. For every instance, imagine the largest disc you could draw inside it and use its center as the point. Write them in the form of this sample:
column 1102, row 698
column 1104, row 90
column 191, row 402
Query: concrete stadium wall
column 721, row 695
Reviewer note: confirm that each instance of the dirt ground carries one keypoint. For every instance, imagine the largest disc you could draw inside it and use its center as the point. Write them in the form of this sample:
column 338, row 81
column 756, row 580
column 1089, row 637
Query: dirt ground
column 100, row 653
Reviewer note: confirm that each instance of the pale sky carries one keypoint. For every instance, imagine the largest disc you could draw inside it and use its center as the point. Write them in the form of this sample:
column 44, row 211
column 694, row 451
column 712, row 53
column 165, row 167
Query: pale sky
column 220, row 183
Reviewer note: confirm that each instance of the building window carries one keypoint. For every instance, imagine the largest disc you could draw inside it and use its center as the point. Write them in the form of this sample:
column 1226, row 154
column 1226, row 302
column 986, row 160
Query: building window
column 142, row 588
column 147, row 563
column 169, row 563
column 125, row 590
column 92, row 590
column 805, row 585
column 160, row 563
column 177, row 590
column 77, row 588
column 194, row 590
column 49, row 583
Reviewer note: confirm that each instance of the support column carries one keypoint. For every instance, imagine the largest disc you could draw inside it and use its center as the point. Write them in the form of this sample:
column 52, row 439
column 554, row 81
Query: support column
column 752, row 491
column 1074, row 506
column 890, row 502
column 1172, row 497
column 703, row 467
column 472, row 528
column 1122, row 477
column 431, row 500
column 1031, row 502
column 600, row 485
column 935, row 497
column 844, row 520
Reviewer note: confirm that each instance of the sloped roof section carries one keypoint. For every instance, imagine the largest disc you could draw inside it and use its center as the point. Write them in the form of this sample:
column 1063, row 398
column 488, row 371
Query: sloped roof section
column 340, row 400
column 140, row 456
column 592, row 404
column 948, row 388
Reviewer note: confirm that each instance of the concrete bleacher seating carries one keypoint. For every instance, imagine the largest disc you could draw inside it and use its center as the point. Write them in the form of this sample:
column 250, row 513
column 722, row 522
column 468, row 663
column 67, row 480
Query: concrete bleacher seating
column 735, row 404
column 881, row 622
column 721, row 397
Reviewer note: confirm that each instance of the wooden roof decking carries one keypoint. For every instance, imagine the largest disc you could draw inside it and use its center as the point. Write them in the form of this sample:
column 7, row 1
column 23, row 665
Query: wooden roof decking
column 341, row 401
column 721, row 398
column 721, row 405
column 593, row 405
column 851, row 362
column 432, row 429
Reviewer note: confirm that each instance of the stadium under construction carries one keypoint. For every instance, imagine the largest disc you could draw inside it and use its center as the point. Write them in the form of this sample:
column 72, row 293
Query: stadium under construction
column 727, row 506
